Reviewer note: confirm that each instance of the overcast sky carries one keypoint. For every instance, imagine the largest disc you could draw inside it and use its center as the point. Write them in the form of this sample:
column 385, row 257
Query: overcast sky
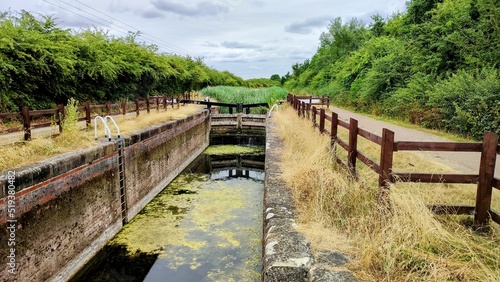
column 250, row 38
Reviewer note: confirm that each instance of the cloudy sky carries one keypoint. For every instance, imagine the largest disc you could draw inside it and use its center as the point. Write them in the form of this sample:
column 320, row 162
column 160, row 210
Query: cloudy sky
column 250, row 38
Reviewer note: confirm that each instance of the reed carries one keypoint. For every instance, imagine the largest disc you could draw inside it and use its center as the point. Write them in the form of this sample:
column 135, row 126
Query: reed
column 230, row 94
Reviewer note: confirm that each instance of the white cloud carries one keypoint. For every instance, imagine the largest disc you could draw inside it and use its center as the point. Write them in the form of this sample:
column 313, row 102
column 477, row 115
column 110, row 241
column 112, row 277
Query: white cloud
column 239, row 45
column 151, row 13
column 306, row 26
column 203, row 8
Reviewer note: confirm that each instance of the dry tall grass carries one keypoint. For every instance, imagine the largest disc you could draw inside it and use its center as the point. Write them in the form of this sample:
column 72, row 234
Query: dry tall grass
column 410, row 243
column 15, row 155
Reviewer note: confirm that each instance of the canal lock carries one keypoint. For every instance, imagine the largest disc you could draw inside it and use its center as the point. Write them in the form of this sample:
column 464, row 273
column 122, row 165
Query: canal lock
column 206, row 225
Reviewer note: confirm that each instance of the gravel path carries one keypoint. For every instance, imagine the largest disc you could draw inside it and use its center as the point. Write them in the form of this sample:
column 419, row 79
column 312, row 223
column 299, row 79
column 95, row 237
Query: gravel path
column 464, row 162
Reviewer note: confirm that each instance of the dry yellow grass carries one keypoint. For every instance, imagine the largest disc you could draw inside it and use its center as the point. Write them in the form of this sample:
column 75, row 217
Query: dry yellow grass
column 15, row 155
column 410, row 243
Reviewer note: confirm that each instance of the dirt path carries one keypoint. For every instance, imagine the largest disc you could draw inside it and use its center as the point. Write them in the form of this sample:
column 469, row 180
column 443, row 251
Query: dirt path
column 464, row 162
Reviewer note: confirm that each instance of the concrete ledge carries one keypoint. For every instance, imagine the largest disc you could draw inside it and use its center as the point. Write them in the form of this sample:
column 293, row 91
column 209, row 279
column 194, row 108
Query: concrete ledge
column 286, row 253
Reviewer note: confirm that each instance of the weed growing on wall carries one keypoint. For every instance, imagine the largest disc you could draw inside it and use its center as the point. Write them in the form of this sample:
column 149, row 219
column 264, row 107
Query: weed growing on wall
column 70, row 121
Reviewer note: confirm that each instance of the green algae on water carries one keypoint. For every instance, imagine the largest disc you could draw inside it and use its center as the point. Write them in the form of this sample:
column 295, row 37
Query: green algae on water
column 197, row 221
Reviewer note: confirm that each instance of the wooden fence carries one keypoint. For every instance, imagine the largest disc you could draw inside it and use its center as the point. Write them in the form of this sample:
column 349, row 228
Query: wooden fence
column 58, row 114
column 485, row 180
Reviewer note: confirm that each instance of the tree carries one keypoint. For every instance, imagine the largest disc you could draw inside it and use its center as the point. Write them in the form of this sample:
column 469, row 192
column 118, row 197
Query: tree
column 276, row 77
column 377, row 26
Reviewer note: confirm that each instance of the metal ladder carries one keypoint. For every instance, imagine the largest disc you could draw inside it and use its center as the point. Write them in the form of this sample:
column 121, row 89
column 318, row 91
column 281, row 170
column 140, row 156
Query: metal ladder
column 121, row 162
column 121, row 175
column 107, row 131
column 274, row 106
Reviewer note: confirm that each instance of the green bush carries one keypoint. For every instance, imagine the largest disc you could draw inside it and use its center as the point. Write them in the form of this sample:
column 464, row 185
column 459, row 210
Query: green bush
column 469, row 102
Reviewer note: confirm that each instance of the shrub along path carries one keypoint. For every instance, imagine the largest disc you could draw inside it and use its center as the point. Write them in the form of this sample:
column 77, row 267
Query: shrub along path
column 464, row 162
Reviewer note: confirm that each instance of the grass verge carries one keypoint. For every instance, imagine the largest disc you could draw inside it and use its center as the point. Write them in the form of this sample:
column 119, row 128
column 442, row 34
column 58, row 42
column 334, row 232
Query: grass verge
column 408, row 244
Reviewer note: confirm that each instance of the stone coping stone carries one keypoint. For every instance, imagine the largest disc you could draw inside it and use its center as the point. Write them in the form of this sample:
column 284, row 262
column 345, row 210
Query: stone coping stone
column 287, row 254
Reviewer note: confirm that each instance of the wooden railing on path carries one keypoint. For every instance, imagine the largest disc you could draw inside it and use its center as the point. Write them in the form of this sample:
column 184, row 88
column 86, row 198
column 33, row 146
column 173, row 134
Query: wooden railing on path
column 122, row 108
column 485, row 180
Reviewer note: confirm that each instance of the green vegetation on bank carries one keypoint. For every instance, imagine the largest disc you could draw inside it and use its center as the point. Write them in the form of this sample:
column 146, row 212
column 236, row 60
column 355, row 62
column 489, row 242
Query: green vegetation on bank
column 436, row 65
column 43, row 64
column 228, row 94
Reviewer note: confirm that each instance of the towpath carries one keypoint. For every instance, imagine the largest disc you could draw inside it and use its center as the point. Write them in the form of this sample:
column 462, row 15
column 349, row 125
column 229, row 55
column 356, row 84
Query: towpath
column 464, row 162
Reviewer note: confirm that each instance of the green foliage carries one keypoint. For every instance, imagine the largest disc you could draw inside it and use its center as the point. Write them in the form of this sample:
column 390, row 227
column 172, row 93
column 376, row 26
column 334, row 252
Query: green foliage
column 414, row 65
column 469, row 102
column 262, row 82
column 227, row 94
column 377, row 27
column 276, row 77
column 42, row 65
column 419, row 11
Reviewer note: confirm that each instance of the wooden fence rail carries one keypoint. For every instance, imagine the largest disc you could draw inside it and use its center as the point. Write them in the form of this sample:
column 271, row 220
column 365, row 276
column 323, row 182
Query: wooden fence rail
column 122, row 108
column 484, row 180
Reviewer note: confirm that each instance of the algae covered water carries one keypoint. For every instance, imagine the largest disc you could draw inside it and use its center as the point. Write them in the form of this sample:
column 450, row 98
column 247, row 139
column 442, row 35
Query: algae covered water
column 204, row 226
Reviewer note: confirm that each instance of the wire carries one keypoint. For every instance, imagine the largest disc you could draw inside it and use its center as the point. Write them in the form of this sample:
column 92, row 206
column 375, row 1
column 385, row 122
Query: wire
column 143, row 33
column 80, row 15
column 100, row 23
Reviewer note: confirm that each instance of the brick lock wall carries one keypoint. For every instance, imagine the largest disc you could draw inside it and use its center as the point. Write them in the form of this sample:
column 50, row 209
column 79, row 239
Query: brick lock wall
column 69, row 206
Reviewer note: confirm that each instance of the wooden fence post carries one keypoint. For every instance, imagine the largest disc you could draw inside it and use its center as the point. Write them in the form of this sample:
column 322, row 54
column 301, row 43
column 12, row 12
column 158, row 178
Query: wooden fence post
column 87, row 114
column 353, row 145
column 108, row 107
column 148, row 106
column 334, row 127
column 137, row 107
column 308, row 110
column 386, row 156
column 385, row 178
column 124, row 107
column 157, row 104
column 314, row 116
column 486, row 175
column 303, row 109
column 26, row 123
column 298, row 107
column 165, row 102
column 322, row 120
column 62, row 114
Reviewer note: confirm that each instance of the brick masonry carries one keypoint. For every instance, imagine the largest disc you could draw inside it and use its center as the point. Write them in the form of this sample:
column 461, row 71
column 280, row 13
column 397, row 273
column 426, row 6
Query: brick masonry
column 68, row 206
